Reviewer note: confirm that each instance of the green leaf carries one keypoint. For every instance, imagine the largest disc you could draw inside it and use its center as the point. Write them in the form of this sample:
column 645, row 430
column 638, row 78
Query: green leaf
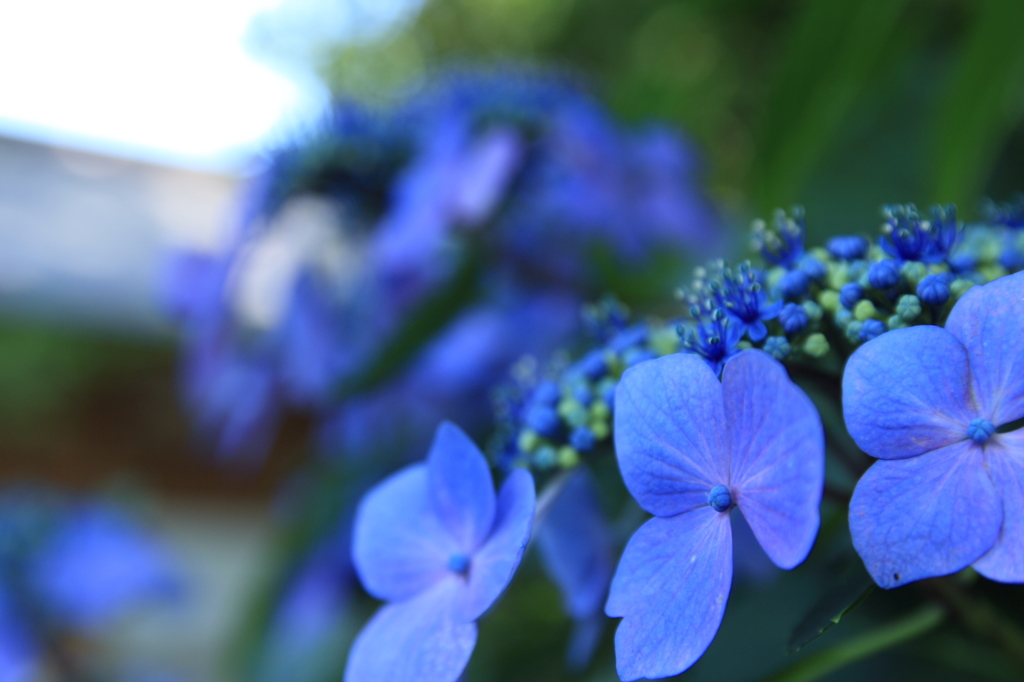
column 979, row 107
column 818, row 665
column 833, row 51
column 842, row 597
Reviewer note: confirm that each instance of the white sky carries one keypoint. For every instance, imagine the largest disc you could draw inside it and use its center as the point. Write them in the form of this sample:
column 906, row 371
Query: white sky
column 161, row 80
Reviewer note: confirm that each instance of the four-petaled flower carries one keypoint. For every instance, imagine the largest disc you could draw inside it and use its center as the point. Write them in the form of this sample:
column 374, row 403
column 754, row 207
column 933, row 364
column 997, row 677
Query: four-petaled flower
column 948, row 491
column 691, row 448
column 435, row 541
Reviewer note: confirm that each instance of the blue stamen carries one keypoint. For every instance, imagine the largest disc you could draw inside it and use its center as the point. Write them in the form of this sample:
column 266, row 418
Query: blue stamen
column 719, row 498
column 980, row 430
column 458, row 563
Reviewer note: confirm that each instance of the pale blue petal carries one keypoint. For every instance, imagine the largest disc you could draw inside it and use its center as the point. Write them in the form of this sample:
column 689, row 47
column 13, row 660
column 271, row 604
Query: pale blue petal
column 1005, row 561
column 989, row 322
column 576, row 546
column 492, row 566
column 908, row 392
column 414, row 640
column 399, row 547
column 461, row 487
column 925, row 516
column 778, row 455
column 668, row 421
column 670, row 589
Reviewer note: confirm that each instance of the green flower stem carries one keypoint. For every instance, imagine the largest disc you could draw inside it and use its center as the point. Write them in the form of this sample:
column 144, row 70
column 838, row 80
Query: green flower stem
column 827, row 661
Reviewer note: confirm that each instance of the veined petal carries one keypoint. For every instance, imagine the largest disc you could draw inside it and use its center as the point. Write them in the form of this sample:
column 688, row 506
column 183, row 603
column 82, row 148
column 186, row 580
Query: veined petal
column 777, row 455
column 925, row 516
column 1005, row 456
column 461, row 487
column 907, row 392
column 576, row 546
column 414, row 640
column 399, row 547
column 671, row 588
column 989, row 322
column 492, row 567
column 668, row 417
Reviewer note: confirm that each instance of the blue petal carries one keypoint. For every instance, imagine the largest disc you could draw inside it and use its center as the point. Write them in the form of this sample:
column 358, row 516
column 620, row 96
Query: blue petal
column 492, row 567
column 414, row 640
column 670, row 590
column 925, row 516
column 461, row 487
column 399, row 547
column 668, row 421
column 99, row 564
column 778, row 455
column 989, row 322
column 576, row 546
column 907, row 392
column 1005, row 561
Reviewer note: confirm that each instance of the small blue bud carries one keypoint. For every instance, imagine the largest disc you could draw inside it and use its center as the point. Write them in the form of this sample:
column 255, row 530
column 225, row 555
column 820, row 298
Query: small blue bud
column 582, row 393
column 934, row 289
column 778, row 347
column 719, row 498
column 582, row 439
column 813, row 268
column 870, row 329
column 458, row 563
column 546, row 393
column 847, row 247
column 884, row 274
column 794, row 283
column 542, row 419
column 850, row 294
column 843, row 317
column 793, row 318
column 962, row 262
column 980, row 430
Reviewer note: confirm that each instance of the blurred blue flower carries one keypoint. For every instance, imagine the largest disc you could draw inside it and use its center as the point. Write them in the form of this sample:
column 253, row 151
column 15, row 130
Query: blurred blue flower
column 576, row 549
column 348, row 231
column 689, row 449
column 435, row 542
column 928, row 402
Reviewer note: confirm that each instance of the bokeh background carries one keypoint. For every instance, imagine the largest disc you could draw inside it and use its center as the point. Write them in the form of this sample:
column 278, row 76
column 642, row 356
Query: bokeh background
column 127, row 128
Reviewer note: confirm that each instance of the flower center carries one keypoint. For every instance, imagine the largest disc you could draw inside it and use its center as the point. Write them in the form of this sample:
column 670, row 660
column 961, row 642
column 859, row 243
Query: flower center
column 719, row 498
column 458, row 563
column 980, row 430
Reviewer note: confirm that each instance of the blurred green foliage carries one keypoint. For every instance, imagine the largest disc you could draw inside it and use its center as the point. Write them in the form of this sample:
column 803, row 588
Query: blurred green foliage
column 840, row 105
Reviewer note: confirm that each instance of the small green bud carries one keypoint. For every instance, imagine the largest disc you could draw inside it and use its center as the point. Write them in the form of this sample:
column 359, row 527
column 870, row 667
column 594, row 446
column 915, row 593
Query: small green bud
column 572, row 411
column 545, row 457
column 864, row 310
column 599, row 410
column 813, row 310
column 568, row 457
column 853, row 331
column 829, row 300
column 816, row 345
column 914, row 272
column 664, row 341
column 895, row 322
column 960, row 286
column 528, row 440
column 838, row 275
column 908, row 307
column 600, row 429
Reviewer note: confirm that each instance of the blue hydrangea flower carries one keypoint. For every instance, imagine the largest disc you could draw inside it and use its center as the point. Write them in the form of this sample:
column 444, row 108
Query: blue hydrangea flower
column 948, row 491
column 906, row 236
column 690, row 449
column 435, row 542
